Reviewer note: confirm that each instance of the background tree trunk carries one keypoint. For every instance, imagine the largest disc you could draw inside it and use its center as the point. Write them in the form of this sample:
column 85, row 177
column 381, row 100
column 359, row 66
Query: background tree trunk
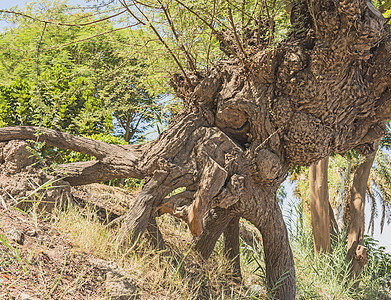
column 246, row 122
column 319, row 203
column 356, row 251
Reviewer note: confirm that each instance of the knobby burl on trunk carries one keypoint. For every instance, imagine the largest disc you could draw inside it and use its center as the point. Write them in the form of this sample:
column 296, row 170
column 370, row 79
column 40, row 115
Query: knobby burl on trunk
column 246, row 122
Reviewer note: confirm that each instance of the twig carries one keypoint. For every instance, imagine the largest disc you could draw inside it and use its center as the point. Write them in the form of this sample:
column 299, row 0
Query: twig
column 210, row 37
column 251, row 17
column 158, row 35
column 234, row 31
column 37, row 62
column 215, row 32
column 268, row 138
column 243, row 11
column 90, row 37
column 311, row 9
column 264, row 4
column 181, row 46
column 59, row 23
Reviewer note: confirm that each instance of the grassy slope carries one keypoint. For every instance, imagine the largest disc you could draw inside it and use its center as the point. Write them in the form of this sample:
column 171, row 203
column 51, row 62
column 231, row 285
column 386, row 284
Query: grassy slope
column 178, row 273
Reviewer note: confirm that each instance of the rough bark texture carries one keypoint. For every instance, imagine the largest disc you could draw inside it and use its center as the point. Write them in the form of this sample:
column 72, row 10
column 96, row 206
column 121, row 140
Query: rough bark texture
column 246, row 122
column 319, row 203
column 232, row 244
column 356, row 251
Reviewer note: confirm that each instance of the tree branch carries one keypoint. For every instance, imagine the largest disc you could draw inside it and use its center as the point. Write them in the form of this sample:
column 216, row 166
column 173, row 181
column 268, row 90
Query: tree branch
column 158, row 35
column 57, row 139
column 238, row 42
column 215, row 32
column 90, row 37
column 85, row 172
column 181, row 45
column 59, row 23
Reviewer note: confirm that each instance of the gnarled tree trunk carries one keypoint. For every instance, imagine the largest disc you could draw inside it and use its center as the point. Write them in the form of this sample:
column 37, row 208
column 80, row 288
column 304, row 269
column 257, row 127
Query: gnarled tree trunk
column 246, row 122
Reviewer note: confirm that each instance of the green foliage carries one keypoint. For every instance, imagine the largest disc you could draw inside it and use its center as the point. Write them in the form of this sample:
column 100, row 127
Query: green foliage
column 67, row 103
column 378, row 269
column 79, row 77
column 59, row 103
column 16, row 107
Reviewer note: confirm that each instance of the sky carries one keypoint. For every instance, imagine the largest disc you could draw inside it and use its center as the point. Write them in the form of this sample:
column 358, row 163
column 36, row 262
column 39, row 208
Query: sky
column 383, row 238
column 7, row 4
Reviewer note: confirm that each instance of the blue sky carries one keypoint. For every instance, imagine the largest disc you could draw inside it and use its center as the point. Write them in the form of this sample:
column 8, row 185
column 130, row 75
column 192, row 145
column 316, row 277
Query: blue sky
column 6, row 4
column 384, row 238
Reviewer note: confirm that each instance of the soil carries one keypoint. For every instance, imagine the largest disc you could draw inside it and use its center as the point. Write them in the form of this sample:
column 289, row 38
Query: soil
column 36, row 261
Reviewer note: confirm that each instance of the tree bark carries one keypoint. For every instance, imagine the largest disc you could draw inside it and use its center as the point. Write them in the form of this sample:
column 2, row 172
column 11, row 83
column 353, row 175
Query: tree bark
column 356, row 251
column 246, row 123
column 232, row 246
column 280, row 270
column 319, row 203
column 215, row 223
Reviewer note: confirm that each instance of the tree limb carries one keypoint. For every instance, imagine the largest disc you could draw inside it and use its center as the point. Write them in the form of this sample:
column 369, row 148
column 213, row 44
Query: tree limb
column 59, row 23
column 57, row 139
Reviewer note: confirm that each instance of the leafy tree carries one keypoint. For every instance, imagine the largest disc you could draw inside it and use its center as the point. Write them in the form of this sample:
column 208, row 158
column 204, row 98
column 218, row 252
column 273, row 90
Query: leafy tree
column 262, row 108
column 16, row 107
column 75, row 70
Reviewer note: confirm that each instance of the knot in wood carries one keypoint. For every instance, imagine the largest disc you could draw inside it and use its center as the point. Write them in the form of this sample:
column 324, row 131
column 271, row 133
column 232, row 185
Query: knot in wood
column 268, row 165
column 231, row 117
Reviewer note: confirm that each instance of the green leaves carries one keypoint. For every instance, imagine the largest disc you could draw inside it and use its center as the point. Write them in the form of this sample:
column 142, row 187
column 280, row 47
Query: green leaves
column 386, row 6
column 78, row 79
column 15, row 104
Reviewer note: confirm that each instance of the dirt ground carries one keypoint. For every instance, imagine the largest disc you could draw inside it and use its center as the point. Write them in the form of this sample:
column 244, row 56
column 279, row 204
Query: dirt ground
column 36, row 261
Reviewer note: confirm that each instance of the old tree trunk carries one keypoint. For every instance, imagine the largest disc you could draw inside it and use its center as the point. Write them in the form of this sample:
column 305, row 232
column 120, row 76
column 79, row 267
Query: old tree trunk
column 246, row 122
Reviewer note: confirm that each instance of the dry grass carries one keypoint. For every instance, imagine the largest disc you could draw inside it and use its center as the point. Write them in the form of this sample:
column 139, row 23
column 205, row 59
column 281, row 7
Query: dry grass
column 176, row 273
